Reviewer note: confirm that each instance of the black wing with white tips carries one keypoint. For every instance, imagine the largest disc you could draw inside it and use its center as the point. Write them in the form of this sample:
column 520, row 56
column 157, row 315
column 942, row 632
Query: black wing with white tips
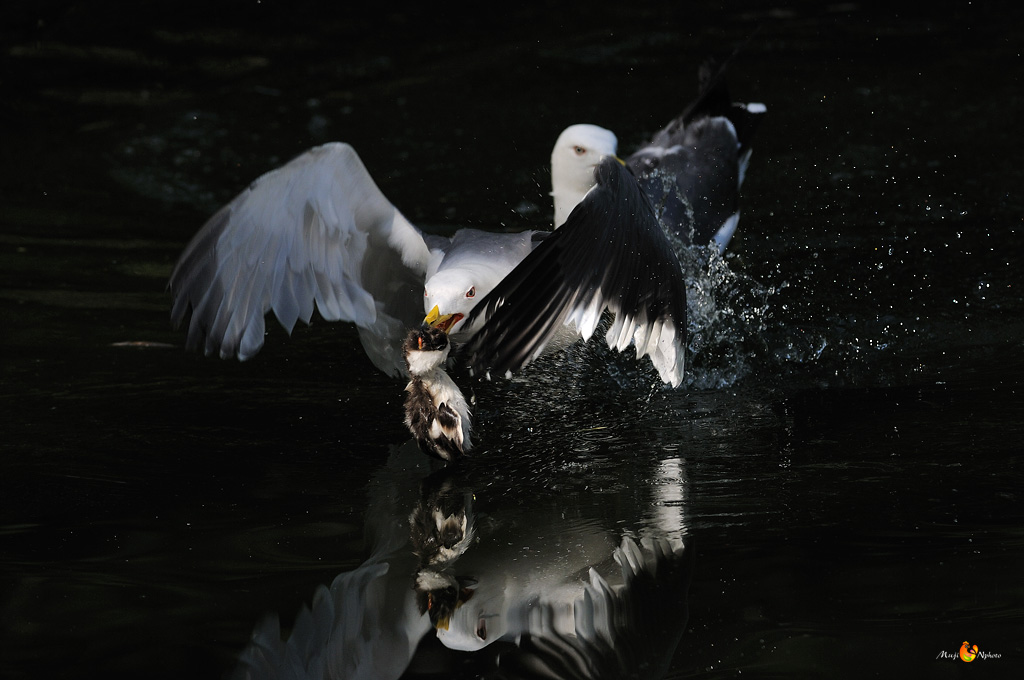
column 610, row 254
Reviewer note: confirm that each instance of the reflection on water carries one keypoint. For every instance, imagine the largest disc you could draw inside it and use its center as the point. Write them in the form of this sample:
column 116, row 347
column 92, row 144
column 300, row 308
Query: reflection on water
column 542, row 593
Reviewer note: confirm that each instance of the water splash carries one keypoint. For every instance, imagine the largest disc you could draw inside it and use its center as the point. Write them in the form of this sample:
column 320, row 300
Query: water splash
column 727, row 314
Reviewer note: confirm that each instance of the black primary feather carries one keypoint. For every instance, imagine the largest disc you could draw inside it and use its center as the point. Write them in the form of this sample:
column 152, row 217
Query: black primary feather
column 611, row 253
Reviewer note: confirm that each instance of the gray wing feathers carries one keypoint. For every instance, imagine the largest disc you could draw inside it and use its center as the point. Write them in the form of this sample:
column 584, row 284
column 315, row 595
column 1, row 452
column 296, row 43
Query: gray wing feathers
column 300, row 235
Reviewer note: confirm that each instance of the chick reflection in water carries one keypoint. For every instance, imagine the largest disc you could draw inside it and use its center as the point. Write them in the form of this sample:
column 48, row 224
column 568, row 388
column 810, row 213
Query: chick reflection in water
column 442, row 529
column 546, row 597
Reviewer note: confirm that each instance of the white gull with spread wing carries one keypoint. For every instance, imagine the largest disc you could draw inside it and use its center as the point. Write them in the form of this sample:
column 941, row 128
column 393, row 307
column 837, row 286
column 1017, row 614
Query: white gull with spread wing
column 318, row 232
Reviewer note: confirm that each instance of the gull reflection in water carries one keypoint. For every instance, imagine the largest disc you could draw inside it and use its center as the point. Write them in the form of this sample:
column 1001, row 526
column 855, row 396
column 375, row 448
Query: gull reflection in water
column 530, row 594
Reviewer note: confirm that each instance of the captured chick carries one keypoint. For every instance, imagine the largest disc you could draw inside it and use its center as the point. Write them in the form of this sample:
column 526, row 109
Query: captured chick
column 436, row 412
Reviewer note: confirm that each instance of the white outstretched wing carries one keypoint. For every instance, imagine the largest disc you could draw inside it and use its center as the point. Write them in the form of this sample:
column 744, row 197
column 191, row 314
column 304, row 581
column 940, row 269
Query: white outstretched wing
column 317, row 230
column 365, row 627
column 612, row 254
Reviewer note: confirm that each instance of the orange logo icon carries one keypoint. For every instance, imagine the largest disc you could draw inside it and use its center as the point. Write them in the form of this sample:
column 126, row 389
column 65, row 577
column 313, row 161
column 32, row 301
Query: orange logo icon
column 968, row 653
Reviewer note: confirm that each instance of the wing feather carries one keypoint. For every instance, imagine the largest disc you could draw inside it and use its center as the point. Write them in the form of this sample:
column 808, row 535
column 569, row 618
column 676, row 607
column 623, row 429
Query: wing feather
column 610, row 254
column 302, row 235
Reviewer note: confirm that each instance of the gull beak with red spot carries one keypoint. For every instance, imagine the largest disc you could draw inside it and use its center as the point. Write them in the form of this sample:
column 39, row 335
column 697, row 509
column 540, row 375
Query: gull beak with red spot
column 443, row 321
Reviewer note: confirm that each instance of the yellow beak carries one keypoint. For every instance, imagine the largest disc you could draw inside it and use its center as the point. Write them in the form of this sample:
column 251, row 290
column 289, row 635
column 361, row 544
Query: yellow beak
column 443, row 321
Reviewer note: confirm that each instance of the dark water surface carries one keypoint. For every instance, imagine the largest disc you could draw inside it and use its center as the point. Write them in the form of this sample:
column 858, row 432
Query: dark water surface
column 845, row 457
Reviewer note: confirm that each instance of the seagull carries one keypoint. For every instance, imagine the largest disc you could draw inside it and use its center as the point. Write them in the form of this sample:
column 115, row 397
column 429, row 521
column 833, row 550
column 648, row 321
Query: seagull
column 692, row 169
column 318, row 232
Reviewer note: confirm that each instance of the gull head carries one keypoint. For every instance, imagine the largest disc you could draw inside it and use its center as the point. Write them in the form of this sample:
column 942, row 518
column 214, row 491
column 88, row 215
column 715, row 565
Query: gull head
column 577, row 152
column 474, row 625
column 448, row 296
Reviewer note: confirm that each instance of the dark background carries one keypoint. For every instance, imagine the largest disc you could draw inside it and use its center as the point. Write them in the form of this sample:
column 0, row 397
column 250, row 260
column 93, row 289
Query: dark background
column 850, row 428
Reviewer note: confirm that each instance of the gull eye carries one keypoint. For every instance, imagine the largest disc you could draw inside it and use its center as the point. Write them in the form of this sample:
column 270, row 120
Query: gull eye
column 579, row 150
column 471, row 292
column 481, row 629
